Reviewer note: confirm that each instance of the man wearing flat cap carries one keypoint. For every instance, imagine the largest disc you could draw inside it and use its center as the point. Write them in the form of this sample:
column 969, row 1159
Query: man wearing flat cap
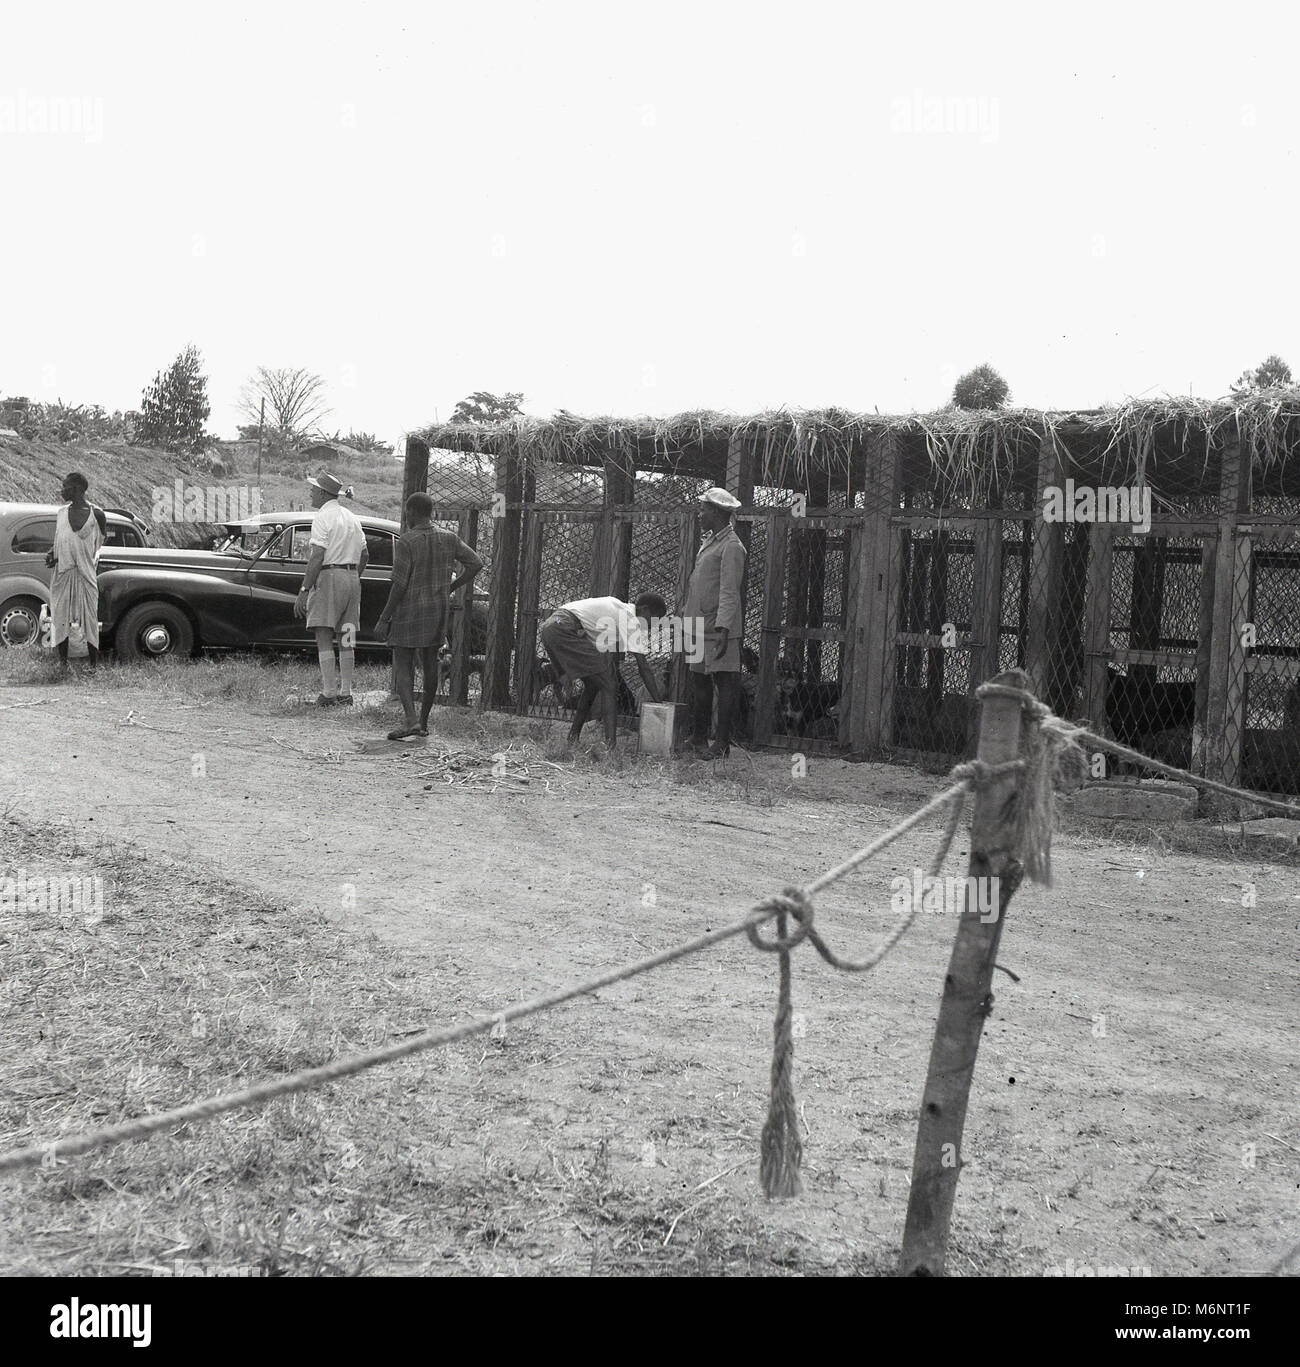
column 331, row 589
column 714, row 602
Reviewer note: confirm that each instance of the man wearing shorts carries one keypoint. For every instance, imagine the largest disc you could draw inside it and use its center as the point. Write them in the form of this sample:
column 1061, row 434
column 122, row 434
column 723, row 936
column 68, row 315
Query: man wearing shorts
column 331, row 589
column 715, row 605
column 584, row 640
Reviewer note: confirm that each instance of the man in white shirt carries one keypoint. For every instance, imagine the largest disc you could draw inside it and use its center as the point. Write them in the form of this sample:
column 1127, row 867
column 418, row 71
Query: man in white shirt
column 584, row 640
column 331, row 589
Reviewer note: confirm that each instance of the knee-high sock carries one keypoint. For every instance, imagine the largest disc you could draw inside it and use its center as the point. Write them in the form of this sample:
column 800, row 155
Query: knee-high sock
column 347, row 659
column 329, row 684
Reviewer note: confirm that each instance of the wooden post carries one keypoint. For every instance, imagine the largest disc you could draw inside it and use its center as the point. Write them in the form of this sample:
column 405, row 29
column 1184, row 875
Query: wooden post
column 967, row 1000
column 503, row 582
column 871, row 646
column 613, row 559
column 529, row 610
column 740, row 481
column 415, row 478
column 415, row 473
column 1044, row 575
column 986, row 606
column 1225, row 710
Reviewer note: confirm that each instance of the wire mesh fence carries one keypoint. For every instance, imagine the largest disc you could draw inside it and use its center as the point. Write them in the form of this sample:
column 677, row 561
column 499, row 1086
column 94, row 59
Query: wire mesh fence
column 1178, row 640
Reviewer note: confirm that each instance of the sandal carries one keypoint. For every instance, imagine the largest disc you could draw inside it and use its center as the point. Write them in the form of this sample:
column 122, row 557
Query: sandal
column 405, row 733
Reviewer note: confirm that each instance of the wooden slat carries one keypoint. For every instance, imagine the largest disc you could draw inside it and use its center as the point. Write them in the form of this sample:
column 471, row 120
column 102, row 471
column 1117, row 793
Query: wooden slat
column 792, row 633
column 884, row 724
column 1272, row 667
column 986, row 607
column 929, row 641
column 873, row 647
column 850, row 651
column 1204, row 653
column 686, row 547
column 778, row 534
column 1154, row 659
column 458, row 686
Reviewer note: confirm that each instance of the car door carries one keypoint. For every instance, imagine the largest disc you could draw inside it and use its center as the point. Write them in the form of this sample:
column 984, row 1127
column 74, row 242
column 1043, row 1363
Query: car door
column 274, row 579
column 375, row 582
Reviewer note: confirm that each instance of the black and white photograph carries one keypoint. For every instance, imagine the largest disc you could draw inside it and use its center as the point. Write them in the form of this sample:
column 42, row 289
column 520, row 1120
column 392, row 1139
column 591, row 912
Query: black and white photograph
column 649, row 642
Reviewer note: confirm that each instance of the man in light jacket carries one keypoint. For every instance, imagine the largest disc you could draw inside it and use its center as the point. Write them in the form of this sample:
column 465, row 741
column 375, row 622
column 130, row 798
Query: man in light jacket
column 715, row 603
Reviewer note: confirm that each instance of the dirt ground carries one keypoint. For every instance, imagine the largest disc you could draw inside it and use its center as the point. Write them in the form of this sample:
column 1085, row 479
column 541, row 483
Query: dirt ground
column 1135, row 1100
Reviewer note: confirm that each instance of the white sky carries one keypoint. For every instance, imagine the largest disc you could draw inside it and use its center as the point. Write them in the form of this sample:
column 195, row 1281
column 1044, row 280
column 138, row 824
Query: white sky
column 650, row 207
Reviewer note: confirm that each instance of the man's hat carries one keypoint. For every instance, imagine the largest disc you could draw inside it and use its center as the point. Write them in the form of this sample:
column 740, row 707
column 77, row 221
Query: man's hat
column 329, row 485
column 720, row 498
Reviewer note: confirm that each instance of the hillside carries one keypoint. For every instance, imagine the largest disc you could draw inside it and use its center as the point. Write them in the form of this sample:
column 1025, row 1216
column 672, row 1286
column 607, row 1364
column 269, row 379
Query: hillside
column 124, row 476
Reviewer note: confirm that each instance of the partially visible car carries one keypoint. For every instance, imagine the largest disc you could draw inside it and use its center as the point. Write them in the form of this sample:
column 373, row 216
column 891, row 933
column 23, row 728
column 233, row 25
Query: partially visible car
column 26, row 535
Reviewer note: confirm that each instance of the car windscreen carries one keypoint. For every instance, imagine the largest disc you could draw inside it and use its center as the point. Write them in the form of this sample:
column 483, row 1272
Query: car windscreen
column 254, row 541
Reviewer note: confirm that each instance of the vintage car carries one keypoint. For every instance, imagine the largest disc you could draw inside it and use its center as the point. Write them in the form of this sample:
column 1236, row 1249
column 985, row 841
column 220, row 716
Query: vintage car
column 26, row 534
column 155, row 602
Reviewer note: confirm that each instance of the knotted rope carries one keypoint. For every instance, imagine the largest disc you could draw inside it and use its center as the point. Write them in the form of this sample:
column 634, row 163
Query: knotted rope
column 781, row 1150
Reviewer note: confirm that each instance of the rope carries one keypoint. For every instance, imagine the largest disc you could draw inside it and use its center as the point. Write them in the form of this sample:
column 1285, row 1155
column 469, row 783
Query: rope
column 1213, row 785
column 304, row 1080
column 1069, row 734
column 781, row 1150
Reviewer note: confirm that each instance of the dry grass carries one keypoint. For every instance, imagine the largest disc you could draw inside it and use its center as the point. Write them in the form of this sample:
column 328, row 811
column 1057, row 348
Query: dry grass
column 1171, row 442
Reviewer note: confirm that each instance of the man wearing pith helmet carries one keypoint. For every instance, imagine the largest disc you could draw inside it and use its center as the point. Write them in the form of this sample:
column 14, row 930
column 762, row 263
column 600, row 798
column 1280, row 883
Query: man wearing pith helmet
column 331, row 589
column 715, row 605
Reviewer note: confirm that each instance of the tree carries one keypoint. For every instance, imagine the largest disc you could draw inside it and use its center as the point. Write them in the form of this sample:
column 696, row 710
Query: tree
column 1271, row 373
column 982, row 387
column 484, row 407
column 367, row 443
column 175, row 406
column 295, row 403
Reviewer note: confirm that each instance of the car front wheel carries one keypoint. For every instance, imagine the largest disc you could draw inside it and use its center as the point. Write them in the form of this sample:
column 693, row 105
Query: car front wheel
column 150, row 631
column 20, row 622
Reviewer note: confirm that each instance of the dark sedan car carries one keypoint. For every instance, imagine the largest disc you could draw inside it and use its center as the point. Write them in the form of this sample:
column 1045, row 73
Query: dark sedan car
column 155, row 602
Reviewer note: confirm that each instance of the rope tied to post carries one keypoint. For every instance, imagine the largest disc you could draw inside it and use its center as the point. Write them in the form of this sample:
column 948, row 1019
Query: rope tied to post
column 1047, row 748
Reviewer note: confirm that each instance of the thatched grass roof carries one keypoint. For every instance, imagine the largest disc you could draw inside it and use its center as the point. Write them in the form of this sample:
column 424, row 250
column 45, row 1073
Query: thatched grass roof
column 1172, row 444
